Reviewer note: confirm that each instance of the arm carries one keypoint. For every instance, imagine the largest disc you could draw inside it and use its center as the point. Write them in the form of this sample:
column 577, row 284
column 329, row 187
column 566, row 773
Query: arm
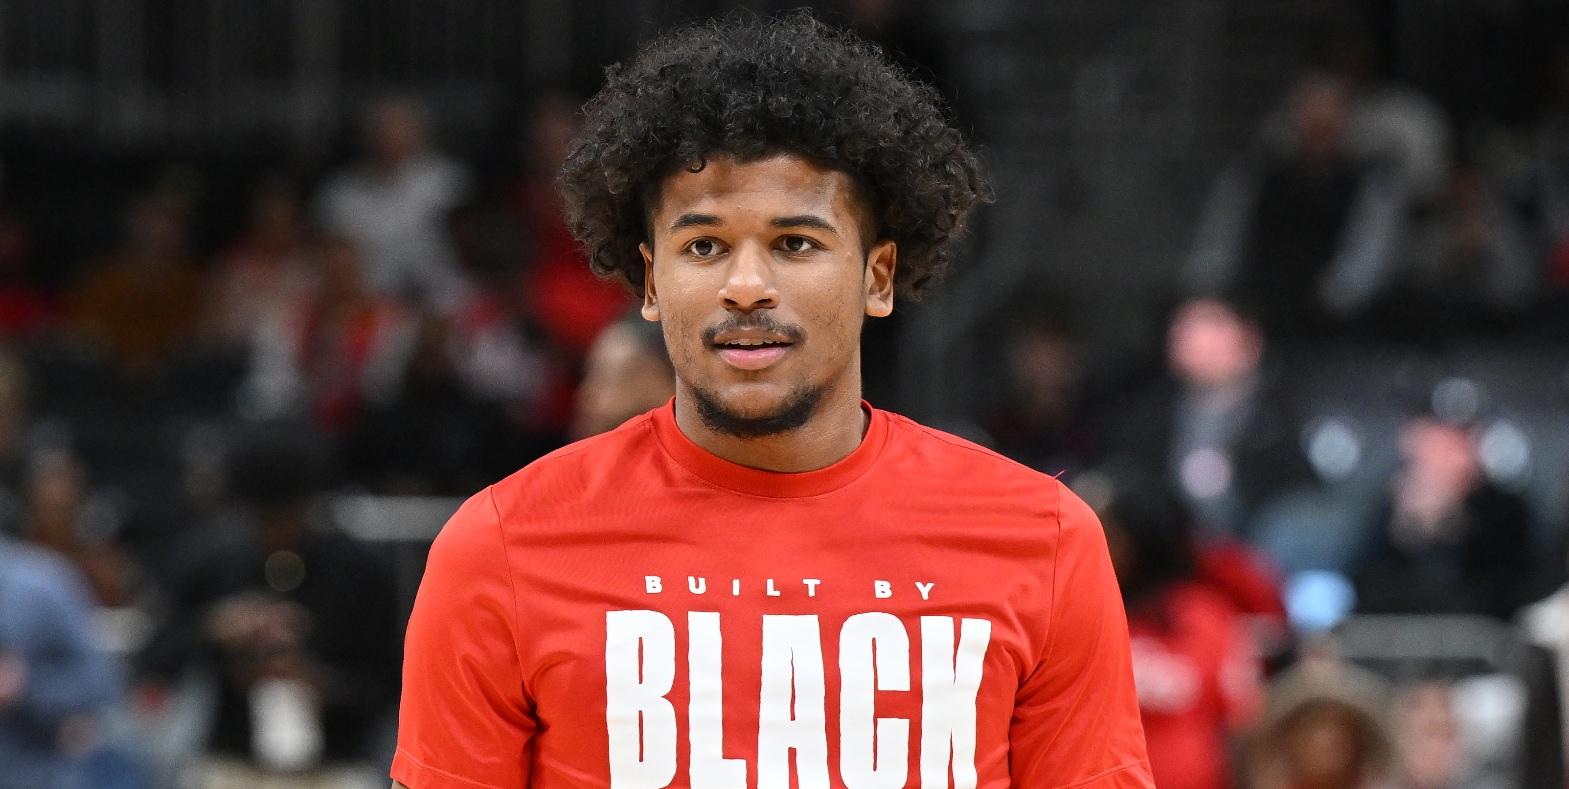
column 1365, row 259
column 1222, row 234
column 65, row 674
column 464, row 721
column 1076, row 718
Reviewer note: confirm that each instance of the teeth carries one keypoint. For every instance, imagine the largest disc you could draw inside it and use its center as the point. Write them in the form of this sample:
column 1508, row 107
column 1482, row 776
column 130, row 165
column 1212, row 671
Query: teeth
column 750, row 343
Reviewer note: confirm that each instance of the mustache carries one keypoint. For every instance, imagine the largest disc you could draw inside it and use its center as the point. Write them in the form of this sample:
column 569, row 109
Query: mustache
column 756, row 321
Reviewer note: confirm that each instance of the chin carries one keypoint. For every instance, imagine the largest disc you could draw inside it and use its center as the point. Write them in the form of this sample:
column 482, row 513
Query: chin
column 752, row 411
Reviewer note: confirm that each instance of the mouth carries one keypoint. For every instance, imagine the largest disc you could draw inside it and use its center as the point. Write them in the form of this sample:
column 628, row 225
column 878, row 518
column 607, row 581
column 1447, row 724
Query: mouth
column 752, row 351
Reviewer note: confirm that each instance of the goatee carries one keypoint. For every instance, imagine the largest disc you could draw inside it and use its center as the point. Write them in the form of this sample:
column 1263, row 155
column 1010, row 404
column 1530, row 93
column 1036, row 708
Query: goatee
column 797, row 408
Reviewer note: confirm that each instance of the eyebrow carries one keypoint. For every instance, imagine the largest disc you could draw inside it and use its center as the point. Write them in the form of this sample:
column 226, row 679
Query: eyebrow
column 695, row 220
column 799, row 220
column 805, row 220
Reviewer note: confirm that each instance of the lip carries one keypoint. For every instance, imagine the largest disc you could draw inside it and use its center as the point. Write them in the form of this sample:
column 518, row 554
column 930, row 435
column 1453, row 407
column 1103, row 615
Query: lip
column 753, row 358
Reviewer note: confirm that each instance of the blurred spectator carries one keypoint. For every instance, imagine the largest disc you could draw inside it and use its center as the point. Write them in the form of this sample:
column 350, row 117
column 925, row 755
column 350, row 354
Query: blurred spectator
column 137, row 305
column 14, row 424
column 1222, row 427
column 570, row 304
column 1546, row 625
column 434, row 436
column 61, row 517
column 1447, row 540
column 1429, row 752
column 263, row 273
column 297, row 621
column 1323, row 728
column 24, row 306
column 327, row 355
column 394, row 204
column 495, row 344
column 1547, row 183
column 627, row 373
column 1303, row 229
column 1043, row 422
column 1198, row 674
column 1391, row 123
column 53, row 680
column 1468, row 268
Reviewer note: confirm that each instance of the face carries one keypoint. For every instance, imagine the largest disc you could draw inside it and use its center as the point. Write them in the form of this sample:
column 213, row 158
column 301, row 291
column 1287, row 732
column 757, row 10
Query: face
column 761, row 276
column 1210, row 345
column 622, row 378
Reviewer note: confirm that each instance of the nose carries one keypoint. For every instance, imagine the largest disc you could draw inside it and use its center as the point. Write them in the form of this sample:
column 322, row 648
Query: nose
column 749, row 281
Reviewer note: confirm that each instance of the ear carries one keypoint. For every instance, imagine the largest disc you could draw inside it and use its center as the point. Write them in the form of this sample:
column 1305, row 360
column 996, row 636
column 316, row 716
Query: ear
column 881, row 262
column 650, row 300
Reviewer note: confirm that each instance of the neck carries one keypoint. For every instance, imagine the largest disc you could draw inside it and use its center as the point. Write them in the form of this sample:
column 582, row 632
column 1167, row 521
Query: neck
column 832, row 432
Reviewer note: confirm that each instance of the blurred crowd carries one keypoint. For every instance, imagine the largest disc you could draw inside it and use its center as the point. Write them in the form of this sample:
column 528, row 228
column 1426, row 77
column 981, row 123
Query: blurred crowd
column 1336, row 490
column 1335, row 496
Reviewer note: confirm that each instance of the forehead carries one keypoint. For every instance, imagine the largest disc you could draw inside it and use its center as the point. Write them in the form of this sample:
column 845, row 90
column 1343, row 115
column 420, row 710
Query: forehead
column 778, row 185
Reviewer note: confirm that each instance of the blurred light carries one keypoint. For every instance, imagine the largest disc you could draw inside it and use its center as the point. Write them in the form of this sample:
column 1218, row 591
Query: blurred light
column 1205, row 473
column 1457, row 400
column 1505, row 453
column 1317, row 600
column 1334, row 448
column 1095, row 488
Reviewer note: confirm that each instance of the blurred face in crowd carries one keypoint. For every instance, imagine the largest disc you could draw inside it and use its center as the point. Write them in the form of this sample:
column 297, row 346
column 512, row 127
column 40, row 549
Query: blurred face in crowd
column 156, row 226
column 1210, row 345
column 1325, row 748
column 395, row 133
column 623, row 377
column 1044, row 368
column 276, row 220
column 13, row 404
column 1440, row 454
column 552, row 124
column 1320, row 111
column 1429, row 736
column 761, row 276
column 55, row 490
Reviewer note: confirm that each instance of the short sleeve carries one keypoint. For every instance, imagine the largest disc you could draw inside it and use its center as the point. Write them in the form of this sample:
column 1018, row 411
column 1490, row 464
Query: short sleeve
column 464, row 721
column 1076, row 716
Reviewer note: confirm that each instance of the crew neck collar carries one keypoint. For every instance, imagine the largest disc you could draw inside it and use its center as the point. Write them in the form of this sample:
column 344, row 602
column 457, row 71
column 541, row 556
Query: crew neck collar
column 773, row 484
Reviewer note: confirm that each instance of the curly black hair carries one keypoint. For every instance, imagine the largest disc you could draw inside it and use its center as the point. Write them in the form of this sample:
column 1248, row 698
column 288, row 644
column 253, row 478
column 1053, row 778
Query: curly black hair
column 751, row 87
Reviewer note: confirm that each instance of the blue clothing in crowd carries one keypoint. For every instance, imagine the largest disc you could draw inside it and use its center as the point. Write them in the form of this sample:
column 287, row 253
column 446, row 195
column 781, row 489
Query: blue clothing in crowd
column 45, row 621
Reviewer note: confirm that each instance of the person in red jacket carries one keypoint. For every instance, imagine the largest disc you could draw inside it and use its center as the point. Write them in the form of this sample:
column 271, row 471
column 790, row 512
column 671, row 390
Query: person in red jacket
column 767, row 582
column 1199, row 676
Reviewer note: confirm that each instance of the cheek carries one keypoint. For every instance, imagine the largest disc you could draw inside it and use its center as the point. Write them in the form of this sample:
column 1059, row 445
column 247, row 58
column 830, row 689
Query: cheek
column 682, row 331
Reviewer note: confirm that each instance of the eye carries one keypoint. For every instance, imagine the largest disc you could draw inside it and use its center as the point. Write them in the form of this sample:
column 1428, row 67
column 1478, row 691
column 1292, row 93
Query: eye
column 797, row 245
column 703, row 247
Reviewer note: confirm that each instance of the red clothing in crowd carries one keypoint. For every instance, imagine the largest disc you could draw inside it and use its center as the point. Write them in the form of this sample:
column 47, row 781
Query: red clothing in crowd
column 1198, row 678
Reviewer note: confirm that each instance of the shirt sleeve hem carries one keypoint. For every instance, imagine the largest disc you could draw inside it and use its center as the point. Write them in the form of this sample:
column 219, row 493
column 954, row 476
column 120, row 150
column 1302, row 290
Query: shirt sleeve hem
column 415, row 774
column 1128, row 776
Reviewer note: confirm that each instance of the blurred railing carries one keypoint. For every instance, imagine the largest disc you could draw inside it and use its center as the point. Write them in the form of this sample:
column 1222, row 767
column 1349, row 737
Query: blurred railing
column 153, row 72
column 1504, row 692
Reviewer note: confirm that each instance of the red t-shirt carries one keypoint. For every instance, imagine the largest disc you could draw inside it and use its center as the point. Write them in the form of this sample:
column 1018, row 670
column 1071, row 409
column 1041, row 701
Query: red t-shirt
column 1199, row 679
column 633, row 611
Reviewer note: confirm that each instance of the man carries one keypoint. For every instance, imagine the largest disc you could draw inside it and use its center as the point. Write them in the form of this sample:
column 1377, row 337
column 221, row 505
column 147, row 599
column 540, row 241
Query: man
column 295, row 621
column 626, row 373
column 1220, row 426
column 767, row 582
column 394, row 205
column 53, row 680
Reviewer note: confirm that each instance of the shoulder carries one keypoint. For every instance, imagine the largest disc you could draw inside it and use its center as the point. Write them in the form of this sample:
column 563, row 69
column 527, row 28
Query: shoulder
column 36, row 574
column 958, row 461
column 580, row 471
column 930, row 445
